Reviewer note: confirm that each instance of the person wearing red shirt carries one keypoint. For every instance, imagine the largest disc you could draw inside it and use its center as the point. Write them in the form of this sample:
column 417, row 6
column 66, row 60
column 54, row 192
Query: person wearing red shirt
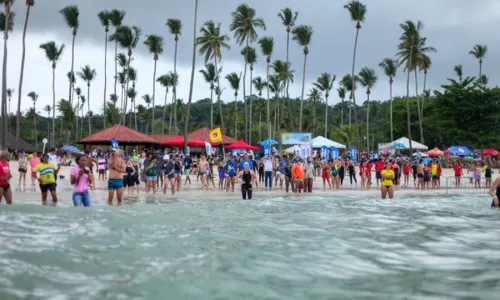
column 379, row 166
column 368, row 172
column 458, row 174
column 406, row 172
column 362, row 173
column 5, row 176
column 439, row 175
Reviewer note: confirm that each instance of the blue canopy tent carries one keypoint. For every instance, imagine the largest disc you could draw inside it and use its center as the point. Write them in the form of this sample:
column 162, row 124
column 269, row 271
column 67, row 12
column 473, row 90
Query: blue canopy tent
column 266, row 146
column 268, row 142
column 72, row 149
column 460, row 151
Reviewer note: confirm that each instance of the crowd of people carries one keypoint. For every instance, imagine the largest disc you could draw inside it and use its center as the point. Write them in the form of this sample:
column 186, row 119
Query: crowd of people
column 156, row 171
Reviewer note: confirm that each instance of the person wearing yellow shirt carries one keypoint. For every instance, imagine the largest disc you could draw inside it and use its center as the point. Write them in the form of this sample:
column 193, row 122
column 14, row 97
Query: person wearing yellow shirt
column 387, row 186
column 47, row 178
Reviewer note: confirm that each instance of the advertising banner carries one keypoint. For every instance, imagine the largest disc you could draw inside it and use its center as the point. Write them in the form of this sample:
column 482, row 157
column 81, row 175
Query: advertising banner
column 353, row 152
column 296, row 138
column 335, row 152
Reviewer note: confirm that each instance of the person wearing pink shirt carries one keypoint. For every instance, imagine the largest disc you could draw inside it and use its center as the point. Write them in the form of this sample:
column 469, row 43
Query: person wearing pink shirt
column 81, row 179
column 33, row 162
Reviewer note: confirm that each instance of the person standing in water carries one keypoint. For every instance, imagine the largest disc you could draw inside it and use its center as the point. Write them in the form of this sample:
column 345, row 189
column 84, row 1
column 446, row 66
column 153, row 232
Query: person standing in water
column 326, row 175
column 495, row 193
column 298, row 176
column 115, row 182
column 188, row 162
column 137, row 168
column 23, row 169
column 101, row 166
column 203, row 166
column 33, row 163
column 5, row 176
column 151, row 173
column 387, row 186
column 79, row 177
column 309, row 176
column 246, row 176
column 230, row 169
column 47, row 179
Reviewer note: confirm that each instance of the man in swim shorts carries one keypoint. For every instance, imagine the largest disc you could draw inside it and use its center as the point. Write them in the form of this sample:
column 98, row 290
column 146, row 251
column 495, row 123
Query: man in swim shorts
column 115, row 182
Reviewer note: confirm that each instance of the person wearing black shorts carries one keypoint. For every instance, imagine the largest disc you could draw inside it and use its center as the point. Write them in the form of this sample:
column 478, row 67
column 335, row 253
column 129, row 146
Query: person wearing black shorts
column 129, row 178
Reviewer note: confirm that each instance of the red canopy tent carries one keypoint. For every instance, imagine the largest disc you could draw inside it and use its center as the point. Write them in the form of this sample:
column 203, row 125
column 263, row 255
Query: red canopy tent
column 177, row 141
column 242, row 145
column 490, row 152
column 200, row 142
column 435, row 152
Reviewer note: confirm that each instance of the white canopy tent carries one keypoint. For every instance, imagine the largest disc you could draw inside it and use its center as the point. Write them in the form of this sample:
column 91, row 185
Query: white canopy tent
column 405, row 142
column 320, row 141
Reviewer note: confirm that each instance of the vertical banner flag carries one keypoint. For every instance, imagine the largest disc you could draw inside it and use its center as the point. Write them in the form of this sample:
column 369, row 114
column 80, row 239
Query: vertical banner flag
column 114, row 144
column 267, row 149
column 216, row 135
column 208, row 148
column 324, row 152
column 335, row 152
column 353, row 151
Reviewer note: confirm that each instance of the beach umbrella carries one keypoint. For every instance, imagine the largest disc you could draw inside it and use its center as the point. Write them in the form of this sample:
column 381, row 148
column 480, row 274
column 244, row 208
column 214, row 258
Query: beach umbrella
column 72, row 149
column 269, row 142
column 469, row 158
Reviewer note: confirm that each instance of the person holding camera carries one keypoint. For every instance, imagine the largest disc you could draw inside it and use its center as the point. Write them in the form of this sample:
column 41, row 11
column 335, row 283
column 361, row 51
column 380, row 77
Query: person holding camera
column 80, row 178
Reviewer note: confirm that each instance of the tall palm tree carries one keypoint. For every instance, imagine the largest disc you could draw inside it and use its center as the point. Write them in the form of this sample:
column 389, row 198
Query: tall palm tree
column 314, row 98
column 288, row 19
column 284, row 74
column 174, row 83
column 459, row 71
column 250, row 57
column 479, row 52
column 29, row 4
column 175, row 28
column 6, row 24
column 82, row 116
column 147, row 99
column 53, row 54
column 234, row 82
column 191, row 84
column 303, row 35
column 423, row 63
column 48, row 109
column 105, row 18
column 274, row 86
column 127, row 38
column 10, row 93
column 244, row 25
column 34, row 97
column 78, row 92
column 267, row 47
column 87, row 74
column 166, row 82
column 116, row 18
column 390, row 68
column 70, row 14
column 368, row 79
column 325, row 84
column 132, row 94
column 346, row 82
column 357, row 10
column 210, row 76
column 342, row 91
column 155, row 46
column 122, row 79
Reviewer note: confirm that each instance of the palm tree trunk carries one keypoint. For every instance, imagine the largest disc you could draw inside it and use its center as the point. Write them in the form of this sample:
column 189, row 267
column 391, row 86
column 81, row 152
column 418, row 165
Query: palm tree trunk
column 212, row 108
column 218, row 95
column 171, row 117
column 423, row 96
column 350, row 111
column 408, row 121
column 154, row 95
column 53, row 105
column 235, row 117
column 314, row 117
column 21, row 76
column 77, row 121
column 105, row 77
column 34, row 124
column 368, row 121
column 480, row 69
column 72, row 67
column 341, row 112
column 287, row 77
column 390, row 104
column 353, row 94
column 4, row 78
column 326, row 115
column 302, row 96
column 125, row 92
column 251, row 101
column 174, row 101
column 135, row 116
column 193, row 66
column 244, row 92
column 418, row 109
column 116, row 66
column 82, row 119
column 268, row 111
column 88, row 106
column 175, row 85
column 164, row 112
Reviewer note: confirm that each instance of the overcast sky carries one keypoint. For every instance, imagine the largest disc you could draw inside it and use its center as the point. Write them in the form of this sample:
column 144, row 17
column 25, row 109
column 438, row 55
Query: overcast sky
column 451, row 26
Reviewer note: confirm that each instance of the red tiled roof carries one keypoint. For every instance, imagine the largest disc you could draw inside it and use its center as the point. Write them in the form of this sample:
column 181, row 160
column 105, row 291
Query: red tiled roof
column 204, row 133
column 161, row 138
column 122, row 134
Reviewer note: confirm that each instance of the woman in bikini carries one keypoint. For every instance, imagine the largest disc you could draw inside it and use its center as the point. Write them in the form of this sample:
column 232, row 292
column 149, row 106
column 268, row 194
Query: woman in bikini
column 387, row 186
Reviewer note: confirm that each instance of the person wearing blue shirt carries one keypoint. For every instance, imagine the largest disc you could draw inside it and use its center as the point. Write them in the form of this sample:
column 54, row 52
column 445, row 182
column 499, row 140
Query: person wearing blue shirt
column 245, row 159
column 231, row 171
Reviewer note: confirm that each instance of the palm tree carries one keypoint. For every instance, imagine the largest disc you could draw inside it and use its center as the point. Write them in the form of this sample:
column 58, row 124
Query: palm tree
column 325, row 84
column 342, row 91
column 303, row 34
column 346, row 134
column 53, row 54
column 6, row 24
column 82, row 106
column 479, row 52
column 70, row 14
column 368, row 79
column 424, row 63
column 127, row 38
column 210, row 76
column 165, row 81
column 284, row 74
column 78, row 92
column 357, row 10
column 87, row 74
column 244, row 25
column 122, row 79
column 132, row 94
column 191, row 84
column 314, row 98
column 274, row 85
column 483, row 80
column 29, row 4
column 288, row 19
column 234, row 82
column 267, row 46
column 390, row 67
column 48, row 109
column 346, row 82
column 250, row 57
column 459, row 71
column 155, row 46
column 105, row 18
column 66, row 110
column 116, row 18
column 259, row 84
column 175, row 28
column 10, row 93
column 111, row 112
column 34, row 97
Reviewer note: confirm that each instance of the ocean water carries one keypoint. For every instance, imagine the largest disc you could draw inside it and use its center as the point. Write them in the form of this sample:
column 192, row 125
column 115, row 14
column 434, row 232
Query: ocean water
column 203, row 246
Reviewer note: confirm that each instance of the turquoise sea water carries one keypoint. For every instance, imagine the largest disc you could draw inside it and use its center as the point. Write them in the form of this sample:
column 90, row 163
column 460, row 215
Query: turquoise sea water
column 349, row 246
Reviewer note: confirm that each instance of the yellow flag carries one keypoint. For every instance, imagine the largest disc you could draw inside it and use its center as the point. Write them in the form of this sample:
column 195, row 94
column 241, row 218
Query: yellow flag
column 216, row 135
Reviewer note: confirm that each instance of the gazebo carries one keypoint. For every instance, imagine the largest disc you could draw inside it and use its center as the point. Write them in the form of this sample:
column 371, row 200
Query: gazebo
column 204, row 133
column 122, row 134
column 320, row 141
